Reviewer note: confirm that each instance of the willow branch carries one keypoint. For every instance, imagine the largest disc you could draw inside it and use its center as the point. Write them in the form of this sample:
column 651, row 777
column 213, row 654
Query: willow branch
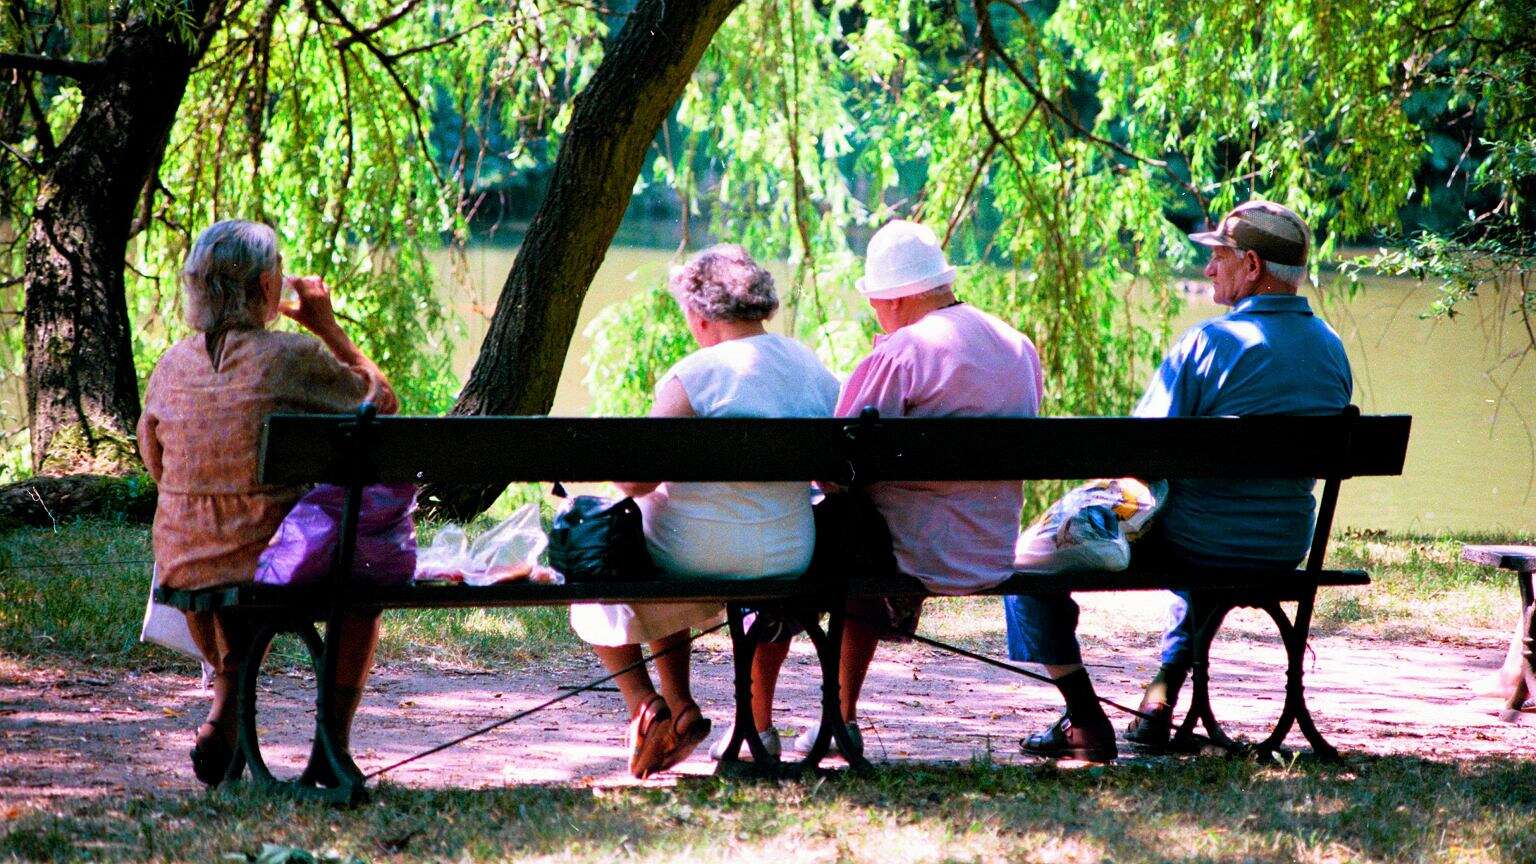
column 446, row 40
column 256, row 105
column 80, row 70
column 1455, row 21
column 28, row 163
column 387, row 61
column 992, row 45
column 384, row 23
column 790, row 93
column 44, row 130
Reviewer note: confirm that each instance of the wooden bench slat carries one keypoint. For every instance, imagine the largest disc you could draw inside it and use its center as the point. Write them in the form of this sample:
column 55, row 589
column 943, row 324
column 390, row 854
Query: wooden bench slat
column 1521, row 559
column 310, row 448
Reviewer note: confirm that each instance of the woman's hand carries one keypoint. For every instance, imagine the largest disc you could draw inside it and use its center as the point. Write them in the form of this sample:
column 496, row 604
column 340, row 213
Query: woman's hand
column 312, row 310
column 379, row 392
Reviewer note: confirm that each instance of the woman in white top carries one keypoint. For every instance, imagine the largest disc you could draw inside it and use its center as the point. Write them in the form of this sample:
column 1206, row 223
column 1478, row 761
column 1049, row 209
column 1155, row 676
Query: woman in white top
column 725, row 530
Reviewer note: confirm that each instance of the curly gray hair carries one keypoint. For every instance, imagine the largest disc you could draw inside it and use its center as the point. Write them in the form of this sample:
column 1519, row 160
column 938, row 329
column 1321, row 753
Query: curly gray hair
column 222, row 276
column 723, row 283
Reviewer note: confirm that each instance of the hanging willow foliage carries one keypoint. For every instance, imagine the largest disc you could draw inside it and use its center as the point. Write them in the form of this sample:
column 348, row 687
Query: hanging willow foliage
column 364, row 132
column 1062, row 149
column 1050, row 146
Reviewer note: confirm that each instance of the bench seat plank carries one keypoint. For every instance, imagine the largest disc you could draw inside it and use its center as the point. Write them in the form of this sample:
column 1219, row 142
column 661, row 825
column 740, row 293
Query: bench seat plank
column 256, row 597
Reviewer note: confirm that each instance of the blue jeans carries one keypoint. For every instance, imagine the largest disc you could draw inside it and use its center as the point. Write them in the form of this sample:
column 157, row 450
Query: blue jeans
column 1042, row 628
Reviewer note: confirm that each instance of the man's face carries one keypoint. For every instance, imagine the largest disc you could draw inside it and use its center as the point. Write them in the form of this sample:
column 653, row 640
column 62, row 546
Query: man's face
column 886, row 314
column 1232, row 275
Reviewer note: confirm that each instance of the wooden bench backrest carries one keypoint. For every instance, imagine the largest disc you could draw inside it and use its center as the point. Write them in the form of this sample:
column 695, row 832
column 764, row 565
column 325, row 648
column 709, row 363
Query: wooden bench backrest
column 346, row 449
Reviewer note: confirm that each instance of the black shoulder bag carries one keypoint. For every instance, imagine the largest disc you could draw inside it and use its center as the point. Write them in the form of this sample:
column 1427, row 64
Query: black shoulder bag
column 597, row 539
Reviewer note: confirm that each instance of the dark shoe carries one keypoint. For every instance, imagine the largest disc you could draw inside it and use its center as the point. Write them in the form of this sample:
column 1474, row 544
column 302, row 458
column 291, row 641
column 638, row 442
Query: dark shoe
column 211, row 755
column 1153, row 732
column 317, row 771
column 1067, row 740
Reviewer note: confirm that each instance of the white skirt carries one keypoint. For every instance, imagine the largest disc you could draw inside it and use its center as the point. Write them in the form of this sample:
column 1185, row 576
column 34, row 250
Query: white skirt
column 614, row 624
column 691, row 547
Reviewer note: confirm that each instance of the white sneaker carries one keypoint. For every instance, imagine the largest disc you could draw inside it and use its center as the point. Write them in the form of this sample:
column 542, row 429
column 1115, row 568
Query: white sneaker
column 807, row 739
column 769, row 737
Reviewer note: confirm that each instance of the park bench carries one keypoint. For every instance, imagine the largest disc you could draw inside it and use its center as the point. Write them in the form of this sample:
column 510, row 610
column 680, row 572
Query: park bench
column 353, row 450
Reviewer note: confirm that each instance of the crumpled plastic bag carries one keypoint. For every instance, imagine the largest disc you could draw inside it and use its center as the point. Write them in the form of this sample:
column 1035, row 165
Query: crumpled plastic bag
column 509, row 551
column 1091, row 527
column 303, row 549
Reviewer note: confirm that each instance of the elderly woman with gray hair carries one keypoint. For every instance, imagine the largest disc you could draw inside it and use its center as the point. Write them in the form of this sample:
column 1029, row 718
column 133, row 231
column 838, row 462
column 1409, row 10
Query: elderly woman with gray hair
column 740, row 530
column 200, row 435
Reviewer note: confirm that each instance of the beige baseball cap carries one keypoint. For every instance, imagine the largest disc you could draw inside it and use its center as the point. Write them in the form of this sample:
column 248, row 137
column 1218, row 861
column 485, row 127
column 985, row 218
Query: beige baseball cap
column 1276, row 233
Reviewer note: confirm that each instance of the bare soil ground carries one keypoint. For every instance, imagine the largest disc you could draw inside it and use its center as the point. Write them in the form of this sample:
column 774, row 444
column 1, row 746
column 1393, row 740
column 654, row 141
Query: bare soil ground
column 67, row 732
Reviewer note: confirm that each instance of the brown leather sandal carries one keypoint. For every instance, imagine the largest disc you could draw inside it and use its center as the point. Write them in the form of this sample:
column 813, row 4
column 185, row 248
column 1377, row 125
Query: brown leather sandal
column 650, row 737
column 689, row 729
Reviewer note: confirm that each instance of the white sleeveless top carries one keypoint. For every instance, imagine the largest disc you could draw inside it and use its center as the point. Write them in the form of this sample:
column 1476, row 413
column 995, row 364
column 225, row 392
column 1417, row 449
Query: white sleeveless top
column 741, row 529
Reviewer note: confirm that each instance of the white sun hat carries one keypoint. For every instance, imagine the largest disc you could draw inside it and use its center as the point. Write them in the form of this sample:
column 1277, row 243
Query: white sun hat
column 904, row 258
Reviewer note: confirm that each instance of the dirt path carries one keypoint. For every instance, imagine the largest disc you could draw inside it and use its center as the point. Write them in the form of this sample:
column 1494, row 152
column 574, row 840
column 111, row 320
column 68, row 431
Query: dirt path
column 67, row 733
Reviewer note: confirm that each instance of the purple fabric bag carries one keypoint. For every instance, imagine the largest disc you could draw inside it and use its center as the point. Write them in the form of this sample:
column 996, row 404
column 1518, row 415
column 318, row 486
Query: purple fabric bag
column 303, row 550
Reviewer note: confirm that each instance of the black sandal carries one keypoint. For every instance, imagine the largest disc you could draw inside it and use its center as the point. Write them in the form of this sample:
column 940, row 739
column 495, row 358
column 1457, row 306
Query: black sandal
column 211, row 755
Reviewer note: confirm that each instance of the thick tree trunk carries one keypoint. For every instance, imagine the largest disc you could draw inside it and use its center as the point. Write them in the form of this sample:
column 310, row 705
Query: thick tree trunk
column 614, row 120
column 82, row 392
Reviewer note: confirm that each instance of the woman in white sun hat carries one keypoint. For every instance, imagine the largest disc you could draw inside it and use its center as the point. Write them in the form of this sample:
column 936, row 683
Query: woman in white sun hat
column 938, row 357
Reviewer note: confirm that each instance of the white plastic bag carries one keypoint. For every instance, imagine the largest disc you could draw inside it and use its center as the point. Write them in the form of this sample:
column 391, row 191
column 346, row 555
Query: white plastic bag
column 507, row 552
column 1090, row 528
column 167, row 627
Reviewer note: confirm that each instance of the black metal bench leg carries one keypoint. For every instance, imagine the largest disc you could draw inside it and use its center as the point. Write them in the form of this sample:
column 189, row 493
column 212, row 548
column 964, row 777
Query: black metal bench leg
column 351, row 790
column 1209, row 616
column 351, row 787
column 1294, row 636
column 743, row 651
column 829, row 649
column 248, row 742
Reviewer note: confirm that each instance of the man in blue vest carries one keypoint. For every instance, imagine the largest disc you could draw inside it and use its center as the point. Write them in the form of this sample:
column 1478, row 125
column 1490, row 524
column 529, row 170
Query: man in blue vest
column 1269, row 355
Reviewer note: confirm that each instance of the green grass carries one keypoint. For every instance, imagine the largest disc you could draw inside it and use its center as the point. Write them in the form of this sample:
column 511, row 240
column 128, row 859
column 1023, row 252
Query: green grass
column 1420, row 586
column 1389, row 810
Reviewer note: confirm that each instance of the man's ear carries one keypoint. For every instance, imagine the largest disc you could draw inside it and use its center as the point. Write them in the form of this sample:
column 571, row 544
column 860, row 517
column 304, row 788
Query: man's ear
column 1253, row 265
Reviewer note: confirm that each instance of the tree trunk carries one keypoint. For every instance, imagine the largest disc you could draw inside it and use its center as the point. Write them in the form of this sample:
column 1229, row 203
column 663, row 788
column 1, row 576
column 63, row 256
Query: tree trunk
column 82, row 392
column 44, row 501
column 614, row 121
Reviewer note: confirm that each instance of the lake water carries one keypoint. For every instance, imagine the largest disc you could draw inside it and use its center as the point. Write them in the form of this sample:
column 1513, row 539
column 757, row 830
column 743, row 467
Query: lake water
column 1472, row 455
